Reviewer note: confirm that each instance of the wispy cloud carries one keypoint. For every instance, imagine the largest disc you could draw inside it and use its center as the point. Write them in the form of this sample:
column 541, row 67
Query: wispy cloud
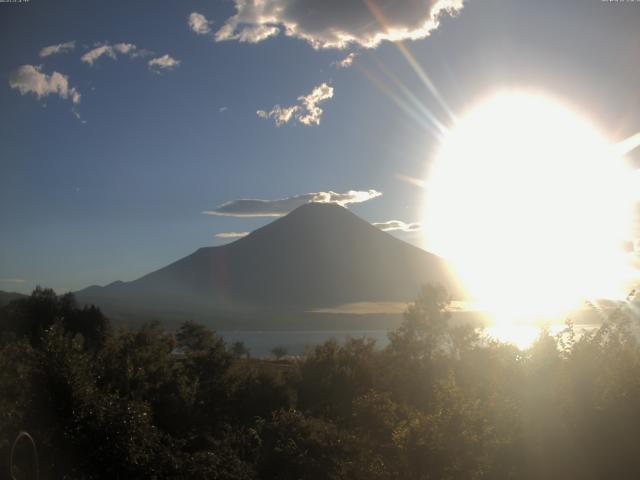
column 12, row 280
column 31, row 79
column 199, row 24
column 165, row 62
column 365, row 308
column 232, row 234
column 336, row 24
column 398, row 225
column 112, row 51
column 307, row 111
column 346, row 62
column 251, row 207
column 280, row 115
column 312, row 112
column 59, row 48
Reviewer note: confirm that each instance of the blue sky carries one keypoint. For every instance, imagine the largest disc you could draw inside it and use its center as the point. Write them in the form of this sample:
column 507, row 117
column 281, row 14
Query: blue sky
column 115, row 185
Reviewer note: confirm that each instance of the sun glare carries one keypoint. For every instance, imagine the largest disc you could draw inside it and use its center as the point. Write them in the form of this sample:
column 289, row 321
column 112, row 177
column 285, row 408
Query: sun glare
column 531, row 205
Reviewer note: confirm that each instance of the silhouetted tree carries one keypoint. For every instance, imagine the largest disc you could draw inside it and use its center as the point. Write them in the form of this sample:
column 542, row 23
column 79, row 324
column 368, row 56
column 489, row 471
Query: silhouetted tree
column 30, row 317
column 438, row 402
column 239, row 350
column 332, row 376
column 279, row 352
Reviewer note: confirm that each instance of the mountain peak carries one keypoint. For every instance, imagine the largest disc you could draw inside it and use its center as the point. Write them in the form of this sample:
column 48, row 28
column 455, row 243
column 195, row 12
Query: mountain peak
column 319, row 205
column 319, row 255
column 319, row 208
column 308, row 225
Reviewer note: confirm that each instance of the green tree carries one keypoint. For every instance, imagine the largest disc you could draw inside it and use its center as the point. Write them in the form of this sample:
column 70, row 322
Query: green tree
column 332, row 376
column 296, row 447
column 206, row 363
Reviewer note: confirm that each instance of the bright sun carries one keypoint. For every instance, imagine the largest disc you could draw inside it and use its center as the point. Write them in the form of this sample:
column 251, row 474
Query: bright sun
column 530, row 204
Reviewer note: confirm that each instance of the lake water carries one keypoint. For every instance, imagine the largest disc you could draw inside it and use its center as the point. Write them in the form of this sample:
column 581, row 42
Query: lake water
column 296, row 342
column 260, row 343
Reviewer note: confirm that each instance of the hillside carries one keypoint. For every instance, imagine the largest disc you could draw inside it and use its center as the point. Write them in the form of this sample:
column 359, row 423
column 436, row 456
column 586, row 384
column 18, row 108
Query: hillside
column 6, row 297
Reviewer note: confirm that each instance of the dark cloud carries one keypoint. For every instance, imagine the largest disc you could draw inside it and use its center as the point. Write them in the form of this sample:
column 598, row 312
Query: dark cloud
column 250, row 207
column 336, row 23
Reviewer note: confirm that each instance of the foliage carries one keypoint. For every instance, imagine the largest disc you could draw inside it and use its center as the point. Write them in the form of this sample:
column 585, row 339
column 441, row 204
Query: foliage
column 439, row 402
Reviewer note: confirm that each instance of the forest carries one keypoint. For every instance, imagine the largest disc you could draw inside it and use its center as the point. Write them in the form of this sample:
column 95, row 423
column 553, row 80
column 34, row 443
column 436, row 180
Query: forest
column 81, row 398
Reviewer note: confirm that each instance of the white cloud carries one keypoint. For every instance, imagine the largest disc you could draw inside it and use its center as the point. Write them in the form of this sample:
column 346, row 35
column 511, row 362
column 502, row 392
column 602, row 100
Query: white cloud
column 313, row 111
column 92, row 55
column 165, row 62
column 279, row 114
column 232, row 234
column 125, row 48
column 112, row 51
column 342, row 199
column 31, row 79
column 251, row 207
column 398, row 225
column 199, row 23
column 306, row 112
column 59, row 48
column 75, row 95
column 336, row 24
column 346, row 62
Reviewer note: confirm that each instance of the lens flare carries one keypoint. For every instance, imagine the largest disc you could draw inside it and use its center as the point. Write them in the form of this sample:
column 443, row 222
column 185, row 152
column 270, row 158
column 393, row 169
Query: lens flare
column 530, row 205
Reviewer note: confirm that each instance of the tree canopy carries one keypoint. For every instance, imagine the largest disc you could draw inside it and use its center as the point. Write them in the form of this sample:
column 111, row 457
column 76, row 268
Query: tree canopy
column 439, row 402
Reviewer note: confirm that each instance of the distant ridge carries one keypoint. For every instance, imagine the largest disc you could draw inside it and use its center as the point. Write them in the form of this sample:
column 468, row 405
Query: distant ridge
column 6, row 297
column 319, row 255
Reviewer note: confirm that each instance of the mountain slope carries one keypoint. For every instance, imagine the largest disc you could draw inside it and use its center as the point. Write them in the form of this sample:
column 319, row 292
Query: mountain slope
column 319, row 255
column 6, row 297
